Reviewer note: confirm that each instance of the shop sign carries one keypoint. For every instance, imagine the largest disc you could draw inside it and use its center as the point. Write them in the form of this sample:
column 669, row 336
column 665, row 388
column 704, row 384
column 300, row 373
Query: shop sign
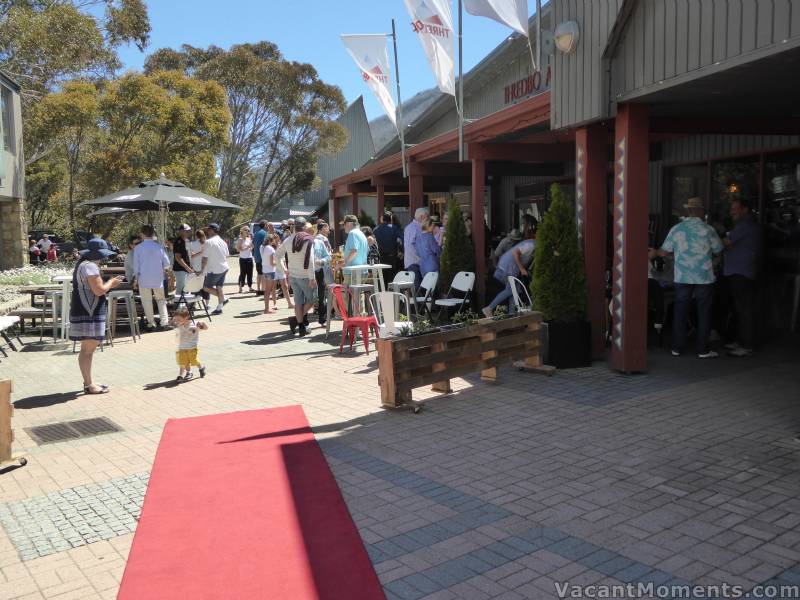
column 531, row 85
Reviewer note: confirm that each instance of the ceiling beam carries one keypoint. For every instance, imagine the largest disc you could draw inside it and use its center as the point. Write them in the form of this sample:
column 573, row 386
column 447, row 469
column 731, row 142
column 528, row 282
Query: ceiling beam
column 519, row 169
column 360, row 188
column 730, row 126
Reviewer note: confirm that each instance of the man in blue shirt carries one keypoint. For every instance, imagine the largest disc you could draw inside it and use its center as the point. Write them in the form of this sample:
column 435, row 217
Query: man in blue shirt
column 356, row 248
column 149, row 262
column 258, row 241
column 742, row 253
column 693, row 243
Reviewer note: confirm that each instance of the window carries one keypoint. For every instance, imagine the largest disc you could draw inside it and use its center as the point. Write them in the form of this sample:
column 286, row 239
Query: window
column 7, row 110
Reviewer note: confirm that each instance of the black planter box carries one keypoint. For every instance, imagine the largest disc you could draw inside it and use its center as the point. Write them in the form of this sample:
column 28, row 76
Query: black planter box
column 570, row 344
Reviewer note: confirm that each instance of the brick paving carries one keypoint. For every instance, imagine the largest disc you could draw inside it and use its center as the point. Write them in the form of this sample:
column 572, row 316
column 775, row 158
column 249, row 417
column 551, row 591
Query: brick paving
column 686, row 475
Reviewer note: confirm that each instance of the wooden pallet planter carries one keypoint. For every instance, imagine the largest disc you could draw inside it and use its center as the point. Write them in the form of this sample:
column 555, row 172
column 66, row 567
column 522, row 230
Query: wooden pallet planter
column 405, row 363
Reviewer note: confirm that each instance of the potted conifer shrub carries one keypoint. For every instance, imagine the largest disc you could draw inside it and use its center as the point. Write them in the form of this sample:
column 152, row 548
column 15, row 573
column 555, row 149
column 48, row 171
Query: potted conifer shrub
column 458, row 253
column 559, row 285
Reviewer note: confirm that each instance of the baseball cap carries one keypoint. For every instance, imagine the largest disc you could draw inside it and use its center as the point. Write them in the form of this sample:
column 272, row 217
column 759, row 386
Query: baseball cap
column 214, row 226
column 184, row 227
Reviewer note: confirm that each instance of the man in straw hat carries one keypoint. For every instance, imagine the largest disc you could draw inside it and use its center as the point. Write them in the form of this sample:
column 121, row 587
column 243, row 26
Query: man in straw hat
column 693, row 243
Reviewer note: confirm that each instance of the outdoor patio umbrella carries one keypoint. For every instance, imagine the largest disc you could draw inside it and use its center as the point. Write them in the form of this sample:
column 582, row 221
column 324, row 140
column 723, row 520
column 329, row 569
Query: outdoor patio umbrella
column 111, row 211
column 162, row 195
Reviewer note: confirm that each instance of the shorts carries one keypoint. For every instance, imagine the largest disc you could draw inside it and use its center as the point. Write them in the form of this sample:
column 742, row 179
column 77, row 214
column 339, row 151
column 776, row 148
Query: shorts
column 270, row 276
column 259, row 267
column 187, row 358
column 214, row 280
column 279, row 276
column 303, row 292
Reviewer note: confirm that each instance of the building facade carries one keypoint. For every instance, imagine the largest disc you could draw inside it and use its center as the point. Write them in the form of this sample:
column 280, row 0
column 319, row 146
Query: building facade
column 656, row 102
column 13, row 235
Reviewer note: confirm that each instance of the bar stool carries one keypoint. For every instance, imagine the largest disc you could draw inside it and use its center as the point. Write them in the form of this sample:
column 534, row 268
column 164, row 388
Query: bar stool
column 356, row 290
column 54, row 296
column 126, row 297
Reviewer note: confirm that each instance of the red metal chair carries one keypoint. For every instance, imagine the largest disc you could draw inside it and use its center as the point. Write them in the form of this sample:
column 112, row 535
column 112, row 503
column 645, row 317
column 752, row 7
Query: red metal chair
column 352, row 324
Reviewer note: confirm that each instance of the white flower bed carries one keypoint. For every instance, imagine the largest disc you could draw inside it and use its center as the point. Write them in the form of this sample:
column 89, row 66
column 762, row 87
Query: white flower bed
column 13, row 279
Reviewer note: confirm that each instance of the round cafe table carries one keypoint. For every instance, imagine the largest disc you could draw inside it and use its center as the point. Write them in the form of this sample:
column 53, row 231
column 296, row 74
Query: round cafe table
column 375, row 270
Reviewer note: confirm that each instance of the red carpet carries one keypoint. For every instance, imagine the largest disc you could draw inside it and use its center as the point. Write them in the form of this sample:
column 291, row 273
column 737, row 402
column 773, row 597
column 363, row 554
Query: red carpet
column 244, row 506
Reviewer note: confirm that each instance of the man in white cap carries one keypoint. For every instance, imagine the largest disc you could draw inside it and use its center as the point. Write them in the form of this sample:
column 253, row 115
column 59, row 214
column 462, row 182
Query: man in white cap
column 513, row 238
column 693, row 243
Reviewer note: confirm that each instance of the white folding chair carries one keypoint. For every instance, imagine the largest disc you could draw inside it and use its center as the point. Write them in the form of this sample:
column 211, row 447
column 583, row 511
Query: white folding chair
column 385, row 308
column 191, row 296
column 520, row 300
column 463, row 283
column 404, row 282
column 427, row 288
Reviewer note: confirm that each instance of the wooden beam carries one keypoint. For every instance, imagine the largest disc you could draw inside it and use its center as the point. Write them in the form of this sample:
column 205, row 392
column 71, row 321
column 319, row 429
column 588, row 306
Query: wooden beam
column 500, row 169
column 522, row 153
column 440, row 169
column 388, row 180
column 360, row 188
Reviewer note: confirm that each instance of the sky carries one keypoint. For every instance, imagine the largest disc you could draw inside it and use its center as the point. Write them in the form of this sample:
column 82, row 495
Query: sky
column 308, row 31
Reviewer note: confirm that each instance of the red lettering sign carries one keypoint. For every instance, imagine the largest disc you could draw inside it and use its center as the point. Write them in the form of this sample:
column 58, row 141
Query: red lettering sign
column 525, row 87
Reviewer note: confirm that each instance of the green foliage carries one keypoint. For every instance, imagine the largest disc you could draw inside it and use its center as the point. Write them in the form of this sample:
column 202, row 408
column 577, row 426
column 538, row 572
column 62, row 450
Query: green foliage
column 283, row 117
column 559, row 286
column 45, row 42
column 458, row 253
column 365, row 219
column 418, row 327
column 465, row 318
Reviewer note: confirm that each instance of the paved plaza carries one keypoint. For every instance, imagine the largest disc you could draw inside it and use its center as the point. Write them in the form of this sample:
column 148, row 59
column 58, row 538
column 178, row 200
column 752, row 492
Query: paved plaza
column 686, row 475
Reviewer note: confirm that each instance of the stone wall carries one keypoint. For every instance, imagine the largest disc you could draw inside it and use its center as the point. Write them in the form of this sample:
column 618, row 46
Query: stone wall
column 13, row 236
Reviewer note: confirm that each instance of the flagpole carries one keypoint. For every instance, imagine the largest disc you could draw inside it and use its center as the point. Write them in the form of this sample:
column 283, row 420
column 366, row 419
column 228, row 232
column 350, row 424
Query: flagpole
column 538, row 35
column 460, row 83
column 399, row 109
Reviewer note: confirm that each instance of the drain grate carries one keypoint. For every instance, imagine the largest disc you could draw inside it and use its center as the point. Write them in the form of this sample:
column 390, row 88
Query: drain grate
column 71, row 430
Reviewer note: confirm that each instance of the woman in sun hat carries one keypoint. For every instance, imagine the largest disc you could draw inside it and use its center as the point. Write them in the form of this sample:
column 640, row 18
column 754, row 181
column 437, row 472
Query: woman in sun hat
column 87, row 314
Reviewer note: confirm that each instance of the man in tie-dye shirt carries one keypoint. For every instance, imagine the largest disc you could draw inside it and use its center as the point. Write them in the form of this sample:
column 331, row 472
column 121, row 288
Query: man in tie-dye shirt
column 693, row 243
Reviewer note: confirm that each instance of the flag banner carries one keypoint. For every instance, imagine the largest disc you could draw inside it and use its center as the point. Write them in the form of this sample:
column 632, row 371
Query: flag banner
column 371, row 55
column 513, row 13
column 433, row 22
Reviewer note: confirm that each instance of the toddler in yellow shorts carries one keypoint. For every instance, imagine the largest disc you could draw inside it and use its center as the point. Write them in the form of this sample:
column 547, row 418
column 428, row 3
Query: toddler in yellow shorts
column 188, row 334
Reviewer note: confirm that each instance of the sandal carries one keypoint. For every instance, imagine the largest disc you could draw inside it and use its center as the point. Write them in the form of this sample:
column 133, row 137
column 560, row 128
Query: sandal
column 95, row 389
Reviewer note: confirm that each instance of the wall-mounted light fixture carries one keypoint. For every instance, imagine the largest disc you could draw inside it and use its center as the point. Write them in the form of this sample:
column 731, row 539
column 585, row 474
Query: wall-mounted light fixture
column 566, row 36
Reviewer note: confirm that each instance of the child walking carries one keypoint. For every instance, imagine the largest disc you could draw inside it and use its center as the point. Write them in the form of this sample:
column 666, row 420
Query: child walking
column 268, row 271
column 188, row 336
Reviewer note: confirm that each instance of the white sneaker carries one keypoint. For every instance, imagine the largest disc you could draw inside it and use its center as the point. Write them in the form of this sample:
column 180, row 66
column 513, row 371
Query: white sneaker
column 675, row 353
column 732, row 346
column 739, row 351
column 487, row 312
column 709, row 354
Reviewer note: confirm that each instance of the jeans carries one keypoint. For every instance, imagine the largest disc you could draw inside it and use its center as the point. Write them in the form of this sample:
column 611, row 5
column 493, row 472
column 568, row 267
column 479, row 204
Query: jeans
column 147, row 295
column 180, row 281
column 246, row 272
column 743, row 291
column 703, row 296
column 506, row 295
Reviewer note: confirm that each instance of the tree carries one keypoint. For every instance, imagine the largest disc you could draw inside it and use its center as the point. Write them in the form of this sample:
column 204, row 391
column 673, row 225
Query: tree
column 46, row 42
column 68, row 120
column 283, row 116
column 559, row 282
column 458, row 253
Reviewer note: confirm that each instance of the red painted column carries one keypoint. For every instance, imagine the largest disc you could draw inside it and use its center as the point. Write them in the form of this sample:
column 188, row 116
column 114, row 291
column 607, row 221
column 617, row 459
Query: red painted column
column 354, row 203
column 381, row 194
column 478, row 230
column 629, row 305
column 591, row 210
column 416, row 194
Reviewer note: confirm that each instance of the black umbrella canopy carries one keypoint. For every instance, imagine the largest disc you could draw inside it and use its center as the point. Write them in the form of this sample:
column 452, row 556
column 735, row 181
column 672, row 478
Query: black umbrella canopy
column 161, row 193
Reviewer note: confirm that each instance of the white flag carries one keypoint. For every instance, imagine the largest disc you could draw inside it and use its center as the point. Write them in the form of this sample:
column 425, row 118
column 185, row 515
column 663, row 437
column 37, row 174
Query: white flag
column 513, row 13
column 433, row 22
column 371, row 54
